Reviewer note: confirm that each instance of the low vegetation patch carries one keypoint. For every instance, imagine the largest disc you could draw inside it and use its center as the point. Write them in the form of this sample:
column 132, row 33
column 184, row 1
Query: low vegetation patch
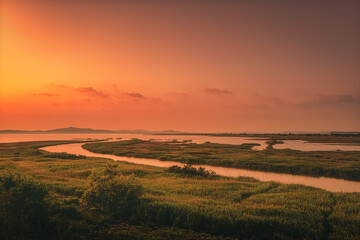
column 190, row 171
column 272, row 142
column 64, row 155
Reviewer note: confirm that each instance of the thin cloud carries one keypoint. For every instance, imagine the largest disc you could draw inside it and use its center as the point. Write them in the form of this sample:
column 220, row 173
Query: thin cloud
column 92, row 92
column 136, row 95
column 334, row 98
column 329, row 99
column 217, row 91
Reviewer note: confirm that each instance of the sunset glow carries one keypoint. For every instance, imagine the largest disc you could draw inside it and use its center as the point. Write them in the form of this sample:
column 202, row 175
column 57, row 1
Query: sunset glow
column 221, row 66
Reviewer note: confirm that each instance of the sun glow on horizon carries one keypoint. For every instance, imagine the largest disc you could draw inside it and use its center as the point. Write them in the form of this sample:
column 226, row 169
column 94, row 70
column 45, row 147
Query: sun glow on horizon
column 231, row 66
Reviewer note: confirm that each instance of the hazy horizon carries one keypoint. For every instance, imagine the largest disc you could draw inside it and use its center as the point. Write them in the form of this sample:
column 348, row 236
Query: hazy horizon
column 178, row 130
column 219, row 66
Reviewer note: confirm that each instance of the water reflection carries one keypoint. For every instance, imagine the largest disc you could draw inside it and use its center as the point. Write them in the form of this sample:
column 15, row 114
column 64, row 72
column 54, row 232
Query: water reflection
column 292, row 144
column 194, row 139
column 308, row 146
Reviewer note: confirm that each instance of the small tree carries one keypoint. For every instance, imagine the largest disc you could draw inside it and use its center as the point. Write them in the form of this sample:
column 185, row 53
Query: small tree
column 113, row 194
column 23, row 207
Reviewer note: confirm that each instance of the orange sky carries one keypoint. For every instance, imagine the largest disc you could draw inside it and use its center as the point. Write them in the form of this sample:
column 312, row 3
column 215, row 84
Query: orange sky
column 186, row 65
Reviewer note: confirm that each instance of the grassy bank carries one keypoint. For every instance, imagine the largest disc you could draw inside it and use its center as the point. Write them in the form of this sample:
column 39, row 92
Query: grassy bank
column 338, row 164
column 76, row 200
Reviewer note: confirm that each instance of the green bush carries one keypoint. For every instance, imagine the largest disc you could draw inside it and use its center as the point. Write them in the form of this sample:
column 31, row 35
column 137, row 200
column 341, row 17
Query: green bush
column 113, row 194
column 23, row 208
column 64, row 155
column 190, row 171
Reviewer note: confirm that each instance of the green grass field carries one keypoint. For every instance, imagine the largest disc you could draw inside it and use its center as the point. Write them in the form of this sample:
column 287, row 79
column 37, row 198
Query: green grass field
column 171, row 205
column 338, row 164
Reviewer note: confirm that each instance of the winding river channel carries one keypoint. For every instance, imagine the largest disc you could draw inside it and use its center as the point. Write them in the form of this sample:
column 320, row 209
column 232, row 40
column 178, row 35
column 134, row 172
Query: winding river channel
column 329, row 184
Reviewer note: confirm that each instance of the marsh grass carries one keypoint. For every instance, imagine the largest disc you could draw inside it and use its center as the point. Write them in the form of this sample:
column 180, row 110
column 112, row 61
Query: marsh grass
column 170, row 202
column 336, row 164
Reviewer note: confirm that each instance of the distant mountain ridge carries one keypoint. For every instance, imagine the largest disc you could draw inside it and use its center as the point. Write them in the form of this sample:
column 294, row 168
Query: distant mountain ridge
column 78, row 130
column 138, row 131
column 75, row 130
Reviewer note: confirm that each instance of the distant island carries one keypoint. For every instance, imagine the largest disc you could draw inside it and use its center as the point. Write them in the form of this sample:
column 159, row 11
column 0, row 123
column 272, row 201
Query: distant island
column 75, row 130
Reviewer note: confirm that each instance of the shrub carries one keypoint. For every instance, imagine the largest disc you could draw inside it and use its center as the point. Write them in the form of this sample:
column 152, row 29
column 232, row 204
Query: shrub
column 191, row 171
column 64, row 155
column 272, row 142
column 23, row 208
column 113, row 194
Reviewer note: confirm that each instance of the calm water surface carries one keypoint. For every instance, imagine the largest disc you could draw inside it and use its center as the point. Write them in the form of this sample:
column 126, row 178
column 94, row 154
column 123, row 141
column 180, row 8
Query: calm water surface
column 329, row 184
column 307, row 146
column 194, row 139
column 292, row 144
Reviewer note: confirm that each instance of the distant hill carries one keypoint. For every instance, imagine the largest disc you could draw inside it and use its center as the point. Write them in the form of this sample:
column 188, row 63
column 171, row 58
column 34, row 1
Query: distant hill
column 78, row 130
column 75, row 130
column 142, row 131
column 12, row 131
column 58, row 131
